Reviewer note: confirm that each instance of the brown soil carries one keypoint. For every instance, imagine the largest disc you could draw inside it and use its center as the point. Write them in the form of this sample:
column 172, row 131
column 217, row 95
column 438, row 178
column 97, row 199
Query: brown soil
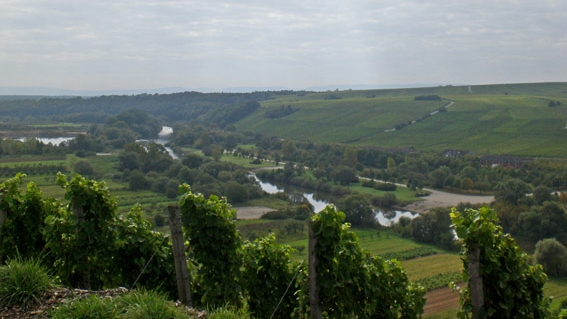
column 251, row 212
column 439, row 300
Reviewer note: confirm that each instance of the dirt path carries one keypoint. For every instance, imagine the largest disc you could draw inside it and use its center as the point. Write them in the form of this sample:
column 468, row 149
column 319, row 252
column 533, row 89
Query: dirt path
column 443, row 199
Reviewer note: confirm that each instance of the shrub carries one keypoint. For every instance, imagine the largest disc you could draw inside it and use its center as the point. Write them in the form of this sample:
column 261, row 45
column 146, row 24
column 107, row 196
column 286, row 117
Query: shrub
column 140, row 304
column 552, row 255
column 276, row 215
column 92, row 307
column 22, row 282
column 148, row 304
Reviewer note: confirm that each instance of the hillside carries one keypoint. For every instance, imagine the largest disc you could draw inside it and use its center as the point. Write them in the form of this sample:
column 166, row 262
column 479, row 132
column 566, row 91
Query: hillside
column 514, row 119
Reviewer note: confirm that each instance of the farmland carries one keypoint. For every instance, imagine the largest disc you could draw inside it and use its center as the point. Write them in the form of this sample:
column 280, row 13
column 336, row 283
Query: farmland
column 499, row 119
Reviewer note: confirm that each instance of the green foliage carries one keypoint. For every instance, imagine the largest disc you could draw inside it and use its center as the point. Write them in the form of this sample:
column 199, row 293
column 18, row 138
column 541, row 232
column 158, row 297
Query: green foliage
column 228, row 312
column 141, row 255
column 147, row 304
column 543, row 222
column 134, row 305
column 20, row 231
column 81, row 238
column 552, row 255
column 83, row 168
column 358, row 211
column 512, row 287
column 440, row 280
column 215, row 244
column 410, row 254
column 23, row 282
column 431, row 97
column 511, row 190
column 434, row 228
column 354, row 284
column 268, row 273
column 91, row 307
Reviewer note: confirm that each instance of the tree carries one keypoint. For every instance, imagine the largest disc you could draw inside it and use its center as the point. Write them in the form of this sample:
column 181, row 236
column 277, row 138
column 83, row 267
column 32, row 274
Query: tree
column 192, row 160
column 434, row 228
column 501, row 281
column 83, row 168
column 235, row 192
column 511, row 190
column 552, row 255
column 358, row 211
column 344, row 175
column 137, row 180
column 542, row 194
column 467, row 184
column 439, row 176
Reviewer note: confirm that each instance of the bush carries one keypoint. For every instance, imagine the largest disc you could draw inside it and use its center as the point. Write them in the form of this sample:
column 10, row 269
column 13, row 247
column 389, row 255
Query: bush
column 22, row 282
column 276, row 215
column 552, row 255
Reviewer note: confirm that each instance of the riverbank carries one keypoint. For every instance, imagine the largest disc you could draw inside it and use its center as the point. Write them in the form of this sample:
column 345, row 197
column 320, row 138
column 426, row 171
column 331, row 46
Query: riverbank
column 444, row 199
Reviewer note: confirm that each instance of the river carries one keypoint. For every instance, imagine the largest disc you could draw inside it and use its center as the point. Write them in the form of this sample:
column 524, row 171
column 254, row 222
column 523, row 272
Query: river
column 163, row 138
column 48, row 140
column 320, row 200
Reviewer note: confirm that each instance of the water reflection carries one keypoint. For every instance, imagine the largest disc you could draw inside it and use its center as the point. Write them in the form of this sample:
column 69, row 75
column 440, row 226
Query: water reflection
column 48, row 140
column 163, row 138
column 321, row 200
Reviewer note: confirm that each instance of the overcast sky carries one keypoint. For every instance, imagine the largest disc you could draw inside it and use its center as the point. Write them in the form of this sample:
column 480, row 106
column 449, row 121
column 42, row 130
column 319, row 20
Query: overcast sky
column 124, row 44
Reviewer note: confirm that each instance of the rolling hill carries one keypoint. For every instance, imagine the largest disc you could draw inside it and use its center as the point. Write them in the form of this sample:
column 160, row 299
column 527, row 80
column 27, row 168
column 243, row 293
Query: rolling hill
column 512, row 119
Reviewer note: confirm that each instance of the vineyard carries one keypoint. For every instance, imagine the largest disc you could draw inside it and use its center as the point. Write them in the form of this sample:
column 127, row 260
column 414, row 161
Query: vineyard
column 88, row 244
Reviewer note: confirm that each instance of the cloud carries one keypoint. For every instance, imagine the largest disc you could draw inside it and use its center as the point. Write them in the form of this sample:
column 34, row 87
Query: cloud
column 127, row 43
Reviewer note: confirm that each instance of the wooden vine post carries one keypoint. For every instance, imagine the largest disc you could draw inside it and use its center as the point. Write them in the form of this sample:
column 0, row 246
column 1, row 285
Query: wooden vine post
column 85, row 281
column 3, row 217
column 313, row 285
column 178, row 242
column 475, row 280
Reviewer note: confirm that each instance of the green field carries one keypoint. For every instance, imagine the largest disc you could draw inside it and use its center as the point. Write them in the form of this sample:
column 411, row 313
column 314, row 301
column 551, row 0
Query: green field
column 513, row 119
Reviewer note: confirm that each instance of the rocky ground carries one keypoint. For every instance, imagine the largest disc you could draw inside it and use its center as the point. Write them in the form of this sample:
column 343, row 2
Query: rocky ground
column 56, row 297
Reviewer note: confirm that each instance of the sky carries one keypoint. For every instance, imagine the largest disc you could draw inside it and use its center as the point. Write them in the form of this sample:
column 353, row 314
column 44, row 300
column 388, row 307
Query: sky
column 295, row 44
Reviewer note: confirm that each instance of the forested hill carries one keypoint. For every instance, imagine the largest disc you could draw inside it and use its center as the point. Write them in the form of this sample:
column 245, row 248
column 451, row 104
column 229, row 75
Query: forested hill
column 514, row 119
column 186, row 106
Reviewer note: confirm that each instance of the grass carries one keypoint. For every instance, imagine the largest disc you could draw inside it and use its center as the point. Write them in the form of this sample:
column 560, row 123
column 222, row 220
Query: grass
column 138, row 304
column 245, row 162
column 403, row 194
column 23, row 282
column 556, row 288
column 228, row 313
